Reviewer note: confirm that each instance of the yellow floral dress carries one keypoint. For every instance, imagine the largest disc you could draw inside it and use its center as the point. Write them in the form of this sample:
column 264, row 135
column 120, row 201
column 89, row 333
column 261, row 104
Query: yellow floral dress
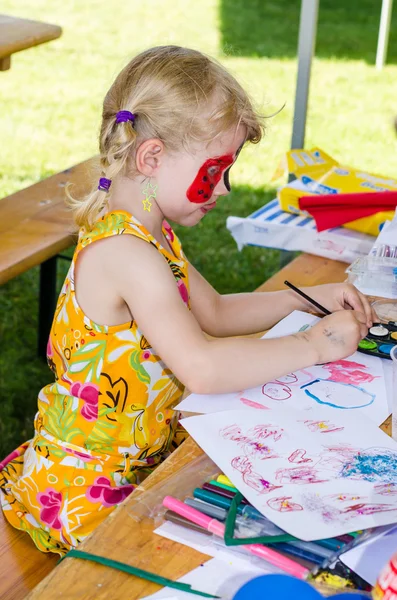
column 105, row 422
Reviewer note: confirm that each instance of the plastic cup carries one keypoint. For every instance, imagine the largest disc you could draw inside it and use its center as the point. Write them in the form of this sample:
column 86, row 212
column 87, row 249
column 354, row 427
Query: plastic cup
column 393, row 355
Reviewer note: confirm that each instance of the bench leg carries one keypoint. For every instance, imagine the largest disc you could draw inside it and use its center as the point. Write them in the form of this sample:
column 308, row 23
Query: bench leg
column 47, row 302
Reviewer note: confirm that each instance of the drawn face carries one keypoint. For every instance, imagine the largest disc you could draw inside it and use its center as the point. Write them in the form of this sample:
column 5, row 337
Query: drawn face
column 276, row 391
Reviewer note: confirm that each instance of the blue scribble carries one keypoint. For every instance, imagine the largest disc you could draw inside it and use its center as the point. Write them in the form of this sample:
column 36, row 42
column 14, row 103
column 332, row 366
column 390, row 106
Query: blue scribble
column 374, row 465
column 368, row 400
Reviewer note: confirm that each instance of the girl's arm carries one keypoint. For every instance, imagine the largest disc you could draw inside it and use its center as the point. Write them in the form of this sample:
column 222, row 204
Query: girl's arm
column 243, row 314
column 143, row 280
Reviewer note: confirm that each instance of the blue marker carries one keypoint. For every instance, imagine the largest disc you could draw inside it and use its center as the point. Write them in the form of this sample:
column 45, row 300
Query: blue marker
column 298, row 552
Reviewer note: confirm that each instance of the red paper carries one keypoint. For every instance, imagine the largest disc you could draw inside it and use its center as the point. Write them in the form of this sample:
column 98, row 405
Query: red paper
column 334, row 210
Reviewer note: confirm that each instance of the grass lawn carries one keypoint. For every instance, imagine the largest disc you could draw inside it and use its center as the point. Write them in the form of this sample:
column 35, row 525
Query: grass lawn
column 50, row 106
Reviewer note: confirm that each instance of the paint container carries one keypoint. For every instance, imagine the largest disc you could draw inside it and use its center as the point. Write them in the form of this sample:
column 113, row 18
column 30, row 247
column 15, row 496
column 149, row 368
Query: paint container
column 393, row 355
column 386, row 310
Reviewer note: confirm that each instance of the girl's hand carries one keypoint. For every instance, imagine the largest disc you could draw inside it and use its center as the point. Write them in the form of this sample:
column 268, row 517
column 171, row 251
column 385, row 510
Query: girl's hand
column 337, row 336
column 339, row 296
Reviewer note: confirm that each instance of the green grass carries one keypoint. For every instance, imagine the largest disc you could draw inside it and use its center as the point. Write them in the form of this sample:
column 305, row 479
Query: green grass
column 50, row 107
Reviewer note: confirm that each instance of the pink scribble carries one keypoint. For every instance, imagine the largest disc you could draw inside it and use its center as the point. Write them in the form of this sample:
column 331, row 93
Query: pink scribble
column 253, row 404
column 337, row 456
column 298, row 475
column 276, row 391
column 251, row 445
column 347, row 371
column 345, row 497
column 250, row 478
column 262, row 432
column 283, row 504
column 386, row 489
column 259, row 450
column 299, row 457
column 369, row 509
column 322, row 426
column 232, row 432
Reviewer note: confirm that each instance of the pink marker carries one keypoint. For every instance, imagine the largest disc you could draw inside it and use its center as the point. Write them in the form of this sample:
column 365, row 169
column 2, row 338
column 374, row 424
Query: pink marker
column 218, row 529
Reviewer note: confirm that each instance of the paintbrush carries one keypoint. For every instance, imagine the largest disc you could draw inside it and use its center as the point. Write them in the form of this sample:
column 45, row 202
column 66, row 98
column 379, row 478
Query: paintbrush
column 308, row 298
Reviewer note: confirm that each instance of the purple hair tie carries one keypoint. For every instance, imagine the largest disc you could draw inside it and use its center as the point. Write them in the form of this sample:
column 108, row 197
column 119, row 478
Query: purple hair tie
column 124, row 115
column 104, row 184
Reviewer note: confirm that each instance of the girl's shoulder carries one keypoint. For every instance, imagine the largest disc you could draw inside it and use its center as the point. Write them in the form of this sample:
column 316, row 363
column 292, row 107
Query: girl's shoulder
column 117, row 223
column 113, row 223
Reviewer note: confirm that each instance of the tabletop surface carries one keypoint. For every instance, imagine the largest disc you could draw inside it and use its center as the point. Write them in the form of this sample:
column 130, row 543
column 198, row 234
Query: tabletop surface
column 121, row 538
column 18, row 34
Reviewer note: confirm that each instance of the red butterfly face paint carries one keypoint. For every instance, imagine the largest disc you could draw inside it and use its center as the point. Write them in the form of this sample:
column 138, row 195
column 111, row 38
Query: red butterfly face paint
column 208, row 177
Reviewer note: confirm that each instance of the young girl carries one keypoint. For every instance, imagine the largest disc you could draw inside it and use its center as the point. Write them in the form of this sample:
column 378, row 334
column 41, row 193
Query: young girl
column 128, row 332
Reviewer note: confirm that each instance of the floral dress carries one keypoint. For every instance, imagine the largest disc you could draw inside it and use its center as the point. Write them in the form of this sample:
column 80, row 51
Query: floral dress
column 104, row 423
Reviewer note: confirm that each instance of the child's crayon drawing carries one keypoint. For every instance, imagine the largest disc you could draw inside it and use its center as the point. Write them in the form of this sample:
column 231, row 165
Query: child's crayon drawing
column 356, row 384
column 310, row 484
column 338, row 395
column 284, row 504
column 321, row 426
column 253, row 480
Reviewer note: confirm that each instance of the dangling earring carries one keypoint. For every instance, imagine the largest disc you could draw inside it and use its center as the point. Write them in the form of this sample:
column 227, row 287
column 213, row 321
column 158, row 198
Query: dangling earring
column 149, row 192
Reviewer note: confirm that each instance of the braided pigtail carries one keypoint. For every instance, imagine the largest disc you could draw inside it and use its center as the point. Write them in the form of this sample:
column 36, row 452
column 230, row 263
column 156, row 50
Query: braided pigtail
column 117, row 138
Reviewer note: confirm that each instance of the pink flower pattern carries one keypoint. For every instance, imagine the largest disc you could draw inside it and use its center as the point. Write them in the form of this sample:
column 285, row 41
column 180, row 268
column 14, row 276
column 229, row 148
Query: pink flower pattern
column 89, row 393
column 170, row 233
column 80, row 455
column 51, row 501
column 183, row 291
column 103, row 492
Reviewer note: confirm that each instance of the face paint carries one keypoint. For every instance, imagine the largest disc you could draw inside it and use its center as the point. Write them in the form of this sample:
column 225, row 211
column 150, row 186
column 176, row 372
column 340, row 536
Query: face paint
column 208, row 177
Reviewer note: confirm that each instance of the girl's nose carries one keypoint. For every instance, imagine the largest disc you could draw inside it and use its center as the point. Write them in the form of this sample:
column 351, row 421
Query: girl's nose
column 221, row 189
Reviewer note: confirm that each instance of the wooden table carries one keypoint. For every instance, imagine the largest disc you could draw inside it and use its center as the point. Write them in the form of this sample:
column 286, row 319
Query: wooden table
column 18, row 34
column 123, row 539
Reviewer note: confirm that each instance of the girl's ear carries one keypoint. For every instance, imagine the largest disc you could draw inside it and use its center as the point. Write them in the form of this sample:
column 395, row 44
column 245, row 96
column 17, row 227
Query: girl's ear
column 148, row 157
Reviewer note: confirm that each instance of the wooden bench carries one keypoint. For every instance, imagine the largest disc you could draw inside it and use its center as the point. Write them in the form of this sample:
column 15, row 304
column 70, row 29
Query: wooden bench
column 35, row 226
column 19, row 34
column 22, row 566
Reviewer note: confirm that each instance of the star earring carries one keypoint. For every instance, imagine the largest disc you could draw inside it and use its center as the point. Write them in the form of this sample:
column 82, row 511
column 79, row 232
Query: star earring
column 149, row 191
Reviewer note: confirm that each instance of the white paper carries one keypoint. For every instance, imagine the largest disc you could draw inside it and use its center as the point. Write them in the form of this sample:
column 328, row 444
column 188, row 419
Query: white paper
column 316, row 474
column 368, row 559
column 355, row 384
column 387, row 234
column 273, row 228
column 216, row 577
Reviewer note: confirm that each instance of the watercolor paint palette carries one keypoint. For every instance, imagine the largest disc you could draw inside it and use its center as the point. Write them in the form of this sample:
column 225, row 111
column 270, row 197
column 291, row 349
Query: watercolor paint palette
column 381, row 339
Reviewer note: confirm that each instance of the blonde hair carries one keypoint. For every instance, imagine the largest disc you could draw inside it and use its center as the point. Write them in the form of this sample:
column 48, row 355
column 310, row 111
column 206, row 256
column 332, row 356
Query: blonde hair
column 178, row 95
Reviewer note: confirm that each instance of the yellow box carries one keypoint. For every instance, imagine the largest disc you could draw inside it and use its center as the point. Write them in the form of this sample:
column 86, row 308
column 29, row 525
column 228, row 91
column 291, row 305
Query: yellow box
column 318, row 173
